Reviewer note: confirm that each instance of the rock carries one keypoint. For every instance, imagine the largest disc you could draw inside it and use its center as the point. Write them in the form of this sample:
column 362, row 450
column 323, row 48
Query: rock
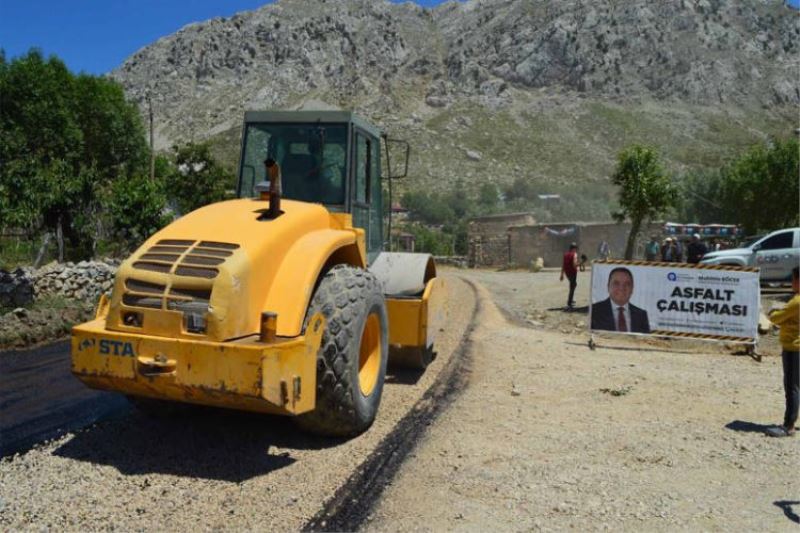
column 472, row 155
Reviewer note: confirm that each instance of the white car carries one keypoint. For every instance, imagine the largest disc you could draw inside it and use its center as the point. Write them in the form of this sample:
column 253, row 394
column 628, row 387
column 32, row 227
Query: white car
column 775, row 254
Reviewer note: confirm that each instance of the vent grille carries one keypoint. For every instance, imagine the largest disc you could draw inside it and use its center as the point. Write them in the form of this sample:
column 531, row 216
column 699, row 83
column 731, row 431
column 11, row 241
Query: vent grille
column 185, row 258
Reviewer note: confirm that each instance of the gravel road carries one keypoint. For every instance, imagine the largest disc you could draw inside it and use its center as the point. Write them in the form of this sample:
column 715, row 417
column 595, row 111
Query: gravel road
column 546, row 434
column 633, row 436
column 212, row 470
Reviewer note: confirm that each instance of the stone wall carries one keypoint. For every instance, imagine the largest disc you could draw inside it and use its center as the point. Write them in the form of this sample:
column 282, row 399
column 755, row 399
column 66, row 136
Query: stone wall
column 550, row 241
column 488, row 238
column 82, row 281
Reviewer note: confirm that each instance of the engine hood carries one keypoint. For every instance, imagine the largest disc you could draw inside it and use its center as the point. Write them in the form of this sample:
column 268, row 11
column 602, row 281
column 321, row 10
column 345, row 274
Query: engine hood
column 209, row 273
column 734, row 252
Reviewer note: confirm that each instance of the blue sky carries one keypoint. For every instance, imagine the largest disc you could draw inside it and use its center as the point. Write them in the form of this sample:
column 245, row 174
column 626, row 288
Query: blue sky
column 97, row 35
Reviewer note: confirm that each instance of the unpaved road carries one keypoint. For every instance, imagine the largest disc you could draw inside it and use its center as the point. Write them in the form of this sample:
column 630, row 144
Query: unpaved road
column 544, row 434
column 551, row 435
column 209, row 471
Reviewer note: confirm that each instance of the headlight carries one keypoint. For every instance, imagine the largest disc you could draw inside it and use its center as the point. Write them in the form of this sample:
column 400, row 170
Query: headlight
column 194, row 314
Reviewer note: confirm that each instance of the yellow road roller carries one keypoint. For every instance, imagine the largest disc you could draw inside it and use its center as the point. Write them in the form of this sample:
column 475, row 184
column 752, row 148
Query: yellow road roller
column 282, row 300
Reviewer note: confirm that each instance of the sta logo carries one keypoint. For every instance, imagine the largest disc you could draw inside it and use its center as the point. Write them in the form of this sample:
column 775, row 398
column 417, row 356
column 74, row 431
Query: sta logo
column 122, row 348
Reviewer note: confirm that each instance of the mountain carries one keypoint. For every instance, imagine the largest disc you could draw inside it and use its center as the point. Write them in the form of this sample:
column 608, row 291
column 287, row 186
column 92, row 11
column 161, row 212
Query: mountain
column 545, row 91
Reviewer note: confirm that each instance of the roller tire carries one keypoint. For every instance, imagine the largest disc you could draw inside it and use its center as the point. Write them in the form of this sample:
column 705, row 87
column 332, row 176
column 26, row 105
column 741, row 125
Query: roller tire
column 346, row 296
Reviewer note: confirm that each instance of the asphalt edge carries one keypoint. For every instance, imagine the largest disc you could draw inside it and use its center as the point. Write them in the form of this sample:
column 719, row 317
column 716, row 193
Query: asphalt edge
column 351, row 504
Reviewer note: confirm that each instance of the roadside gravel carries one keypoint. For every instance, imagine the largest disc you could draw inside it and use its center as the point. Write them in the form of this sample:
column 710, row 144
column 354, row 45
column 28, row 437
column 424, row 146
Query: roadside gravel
column 210, row 470
column 552, row 436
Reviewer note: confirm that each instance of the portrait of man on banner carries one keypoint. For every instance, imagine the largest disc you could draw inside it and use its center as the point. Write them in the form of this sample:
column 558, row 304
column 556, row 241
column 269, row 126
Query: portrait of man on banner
column 616, row 313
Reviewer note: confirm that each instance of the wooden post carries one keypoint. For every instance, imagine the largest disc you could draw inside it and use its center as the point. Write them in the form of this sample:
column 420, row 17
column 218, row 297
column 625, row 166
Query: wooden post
column 152, row 148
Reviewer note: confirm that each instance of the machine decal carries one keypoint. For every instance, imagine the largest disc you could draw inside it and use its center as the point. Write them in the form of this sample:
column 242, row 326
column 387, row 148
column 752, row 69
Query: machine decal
column 109, row 347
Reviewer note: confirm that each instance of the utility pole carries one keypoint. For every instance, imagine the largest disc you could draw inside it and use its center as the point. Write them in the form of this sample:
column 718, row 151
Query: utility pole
column 152, row 147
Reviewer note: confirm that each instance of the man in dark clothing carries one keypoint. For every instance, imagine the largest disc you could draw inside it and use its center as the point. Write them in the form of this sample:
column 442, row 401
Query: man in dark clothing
column 696, row 249
column 616, row 313
column 569, row 268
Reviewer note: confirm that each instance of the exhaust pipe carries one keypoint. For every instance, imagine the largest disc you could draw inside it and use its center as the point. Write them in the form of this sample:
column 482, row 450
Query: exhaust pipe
column 271, row 192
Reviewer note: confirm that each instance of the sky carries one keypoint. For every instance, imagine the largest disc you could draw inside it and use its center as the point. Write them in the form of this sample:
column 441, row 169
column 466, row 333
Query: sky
column 96, row 36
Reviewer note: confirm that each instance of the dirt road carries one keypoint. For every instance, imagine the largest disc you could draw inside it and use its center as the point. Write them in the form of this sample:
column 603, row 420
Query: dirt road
column 544, row 433
column 214, row 470
column 551, row 435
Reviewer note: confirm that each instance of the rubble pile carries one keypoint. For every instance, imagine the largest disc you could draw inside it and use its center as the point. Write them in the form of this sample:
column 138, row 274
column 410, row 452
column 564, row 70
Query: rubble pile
column 80, row 281
column 16, row 288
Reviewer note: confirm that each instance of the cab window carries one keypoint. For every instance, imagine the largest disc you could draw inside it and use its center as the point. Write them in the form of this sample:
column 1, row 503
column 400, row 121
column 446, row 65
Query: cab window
column 779, row 241
column 312, row 158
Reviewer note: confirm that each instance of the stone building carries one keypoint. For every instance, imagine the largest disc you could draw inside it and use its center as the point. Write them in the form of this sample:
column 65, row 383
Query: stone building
column 489, row 238
column 516, row 240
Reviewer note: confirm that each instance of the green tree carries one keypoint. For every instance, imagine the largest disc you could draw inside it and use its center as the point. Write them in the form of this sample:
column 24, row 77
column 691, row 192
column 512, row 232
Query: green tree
column 762, row 187
column 645, row 192
column 427, row 208
column 63, row 139
column 136, row 205
column 760, row 190
column 197, row 179
column 520, row 189
column 487, row 197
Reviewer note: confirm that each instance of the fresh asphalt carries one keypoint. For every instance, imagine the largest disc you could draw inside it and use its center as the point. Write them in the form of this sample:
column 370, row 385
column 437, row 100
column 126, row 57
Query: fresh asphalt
column 40, row 399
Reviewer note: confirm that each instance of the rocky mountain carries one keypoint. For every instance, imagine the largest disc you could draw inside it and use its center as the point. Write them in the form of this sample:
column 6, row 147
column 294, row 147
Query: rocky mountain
column 493, row 89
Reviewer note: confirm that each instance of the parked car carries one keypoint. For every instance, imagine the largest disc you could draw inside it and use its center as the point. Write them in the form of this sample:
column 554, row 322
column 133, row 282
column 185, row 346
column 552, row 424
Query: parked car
column 776, row 254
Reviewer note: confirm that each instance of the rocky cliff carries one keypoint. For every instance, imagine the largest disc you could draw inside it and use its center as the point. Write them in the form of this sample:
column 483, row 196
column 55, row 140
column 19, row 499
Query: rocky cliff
column 546, row 90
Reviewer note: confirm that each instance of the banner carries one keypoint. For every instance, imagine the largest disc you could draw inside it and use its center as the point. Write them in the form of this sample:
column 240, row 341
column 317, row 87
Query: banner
column 675, row 300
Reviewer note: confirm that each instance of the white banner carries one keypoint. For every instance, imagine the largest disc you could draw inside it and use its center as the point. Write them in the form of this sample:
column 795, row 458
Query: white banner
column 679, row 300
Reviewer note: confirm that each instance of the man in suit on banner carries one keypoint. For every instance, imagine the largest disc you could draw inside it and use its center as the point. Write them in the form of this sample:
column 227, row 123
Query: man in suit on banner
column 616, row 313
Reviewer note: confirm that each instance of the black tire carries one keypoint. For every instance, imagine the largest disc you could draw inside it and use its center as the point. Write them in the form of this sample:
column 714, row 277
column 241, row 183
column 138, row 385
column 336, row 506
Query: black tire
column 347, row 297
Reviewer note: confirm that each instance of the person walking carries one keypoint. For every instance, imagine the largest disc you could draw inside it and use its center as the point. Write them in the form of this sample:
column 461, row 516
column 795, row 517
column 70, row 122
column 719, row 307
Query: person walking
column 788, row 319
column 569, row 268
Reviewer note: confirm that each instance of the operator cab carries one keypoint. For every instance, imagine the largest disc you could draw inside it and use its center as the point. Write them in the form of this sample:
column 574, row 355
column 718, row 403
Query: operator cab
column 326, row 157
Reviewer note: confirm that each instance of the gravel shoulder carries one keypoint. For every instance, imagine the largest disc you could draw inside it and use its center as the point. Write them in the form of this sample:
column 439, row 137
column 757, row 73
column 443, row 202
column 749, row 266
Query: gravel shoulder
column 211, row 470
column 633, row 436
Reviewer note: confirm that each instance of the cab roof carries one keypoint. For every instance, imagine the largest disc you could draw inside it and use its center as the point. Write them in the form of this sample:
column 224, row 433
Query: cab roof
column 310, row 117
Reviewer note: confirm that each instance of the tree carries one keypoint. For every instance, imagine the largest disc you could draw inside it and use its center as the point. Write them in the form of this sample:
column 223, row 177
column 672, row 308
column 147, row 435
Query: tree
column 487, row 197
column 645, row 192
column 762, row 187
column 739, row 192
column 520, row 189
column 198, row 179
column 63, row 140
column 136, row 206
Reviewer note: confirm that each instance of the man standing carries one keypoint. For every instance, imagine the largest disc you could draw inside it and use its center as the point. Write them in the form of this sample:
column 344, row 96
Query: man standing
column 788, row 319
column 669, row 251
column 603, row 250
column 616, row 313
column 569, row 268
column 651, row 250
column 696, row 249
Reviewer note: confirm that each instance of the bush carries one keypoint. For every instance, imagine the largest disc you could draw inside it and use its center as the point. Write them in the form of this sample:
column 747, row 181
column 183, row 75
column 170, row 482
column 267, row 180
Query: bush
column 197, row 179
column 137, row 209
